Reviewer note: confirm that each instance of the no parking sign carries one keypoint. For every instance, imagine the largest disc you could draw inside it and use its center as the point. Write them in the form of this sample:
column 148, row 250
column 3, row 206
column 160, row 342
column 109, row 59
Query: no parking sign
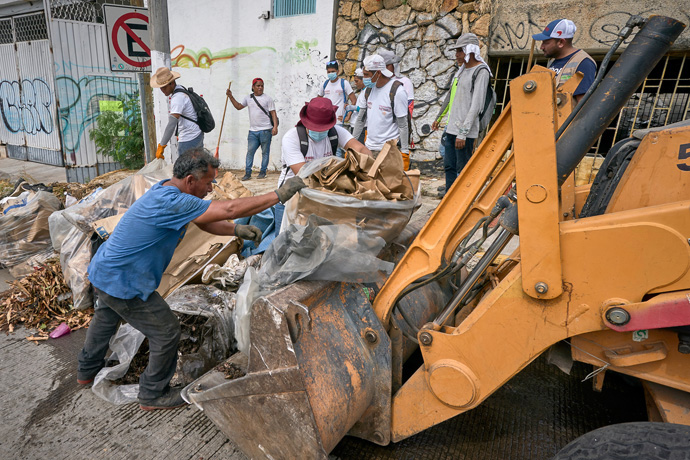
column 128, row 38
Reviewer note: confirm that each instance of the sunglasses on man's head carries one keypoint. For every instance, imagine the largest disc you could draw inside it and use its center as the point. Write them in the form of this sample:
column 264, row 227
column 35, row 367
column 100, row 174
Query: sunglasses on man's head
column 332, row 63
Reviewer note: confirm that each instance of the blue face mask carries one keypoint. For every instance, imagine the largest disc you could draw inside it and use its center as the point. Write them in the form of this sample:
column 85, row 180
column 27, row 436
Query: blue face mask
column 368, row 83
column 332, row 76
column 318, row 135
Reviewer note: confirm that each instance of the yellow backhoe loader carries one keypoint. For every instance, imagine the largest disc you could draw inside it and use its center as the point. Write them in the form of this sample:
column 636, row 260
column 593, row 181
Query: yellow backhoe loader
column 605, row 266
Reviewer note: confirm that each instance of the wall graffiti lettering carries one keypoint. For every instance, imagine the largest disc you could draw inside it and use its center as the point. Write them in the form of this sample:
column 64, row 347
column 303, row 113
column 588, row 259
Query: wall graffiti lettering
column 79, row 105
column 515, row 35
column 26, row 106
column 180, row 56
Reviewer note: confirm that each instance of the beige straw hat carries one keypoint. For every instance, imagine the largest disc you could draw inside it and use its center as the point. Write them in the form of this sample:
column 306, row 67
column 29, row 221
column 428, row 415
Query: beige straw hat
column 162, row 77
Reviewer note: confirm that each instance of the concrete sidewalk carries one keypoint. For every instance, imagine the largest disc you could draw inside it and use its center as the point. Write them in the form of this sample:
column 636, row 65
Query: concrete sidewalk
column 32, row 172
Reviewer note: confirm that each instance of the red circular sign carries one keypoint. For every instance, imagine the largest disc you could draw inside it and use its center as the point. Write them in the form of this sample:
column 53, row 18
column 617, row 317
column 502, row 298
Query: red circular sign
column 120, row 23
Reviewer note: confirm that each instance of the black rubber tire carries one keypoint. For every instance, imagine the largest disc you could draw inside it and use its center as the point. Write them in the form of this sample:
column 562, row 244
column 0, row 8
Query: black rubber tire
column 638, row 441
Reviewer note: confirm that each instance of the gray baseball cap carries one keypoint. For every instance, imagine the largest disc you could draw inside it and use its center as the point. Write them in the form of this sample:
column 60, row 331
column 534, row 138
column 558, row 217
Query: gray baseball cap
column 464, row 40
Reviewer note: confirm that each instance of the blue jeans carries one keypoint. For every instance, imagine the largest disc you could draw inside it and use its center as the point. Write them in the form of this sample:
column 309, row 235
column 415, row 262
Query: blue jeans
column 254, row 139
column 454, row 160
column 280, row 211
column 154, row 319
column 198, row 141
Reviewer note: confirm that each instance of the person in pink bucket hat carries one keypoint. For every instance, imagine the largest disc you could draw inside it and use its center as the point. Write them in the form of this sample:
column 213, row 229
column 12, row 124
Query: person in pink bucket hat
column 315, row 136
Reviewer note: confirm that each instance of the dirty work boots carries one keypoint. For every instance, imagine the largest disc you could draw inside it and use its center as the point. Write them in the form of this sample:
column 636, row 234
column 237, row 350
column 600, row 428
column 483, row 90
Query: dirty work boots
column 171, row 399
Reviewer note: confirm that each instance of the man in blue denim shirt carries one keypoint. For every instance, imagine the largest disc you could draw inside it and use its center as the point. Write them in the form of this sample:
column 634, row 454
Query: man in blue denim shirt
column 128, row 267
column 263, row 125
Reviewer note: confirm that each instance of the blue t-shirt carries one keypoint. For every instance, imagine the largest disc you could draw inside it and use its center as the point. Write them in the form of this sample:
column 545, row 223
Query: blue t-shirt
column 587, row 67
column 131, row 262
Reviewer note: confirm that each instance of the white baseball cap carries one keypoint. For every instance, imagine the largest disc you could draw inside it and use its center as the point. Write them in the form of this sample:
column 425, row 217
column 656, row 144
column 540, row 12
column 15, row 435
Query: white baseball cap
column 560, row 28
column 375, row 63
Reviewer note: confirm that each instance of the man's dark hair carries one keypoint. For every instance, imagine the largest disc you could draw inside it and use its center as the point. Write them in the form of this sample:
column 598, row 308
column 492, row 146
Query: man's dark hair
column 332, row 65
column 195, row 162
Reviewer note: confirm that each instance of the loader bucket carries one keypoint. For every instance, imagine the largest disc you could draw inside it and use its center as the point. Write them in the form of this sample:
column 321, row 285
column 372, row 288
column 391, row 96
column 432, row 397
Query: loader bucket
column 319, row 369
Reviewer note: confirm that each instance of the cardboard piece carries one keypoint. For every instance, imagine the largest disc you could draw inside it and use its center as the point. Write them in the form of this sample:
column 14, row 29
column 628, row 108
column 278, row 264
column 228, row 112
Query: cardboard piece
column 196, row 250
column 105, row 227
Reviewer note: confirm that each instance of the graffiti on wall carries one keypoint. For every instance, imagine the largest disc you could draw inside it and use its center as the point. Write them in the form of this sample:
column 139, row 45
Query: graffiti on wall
column 79, row 104
column 180, row 56
column 26, row 106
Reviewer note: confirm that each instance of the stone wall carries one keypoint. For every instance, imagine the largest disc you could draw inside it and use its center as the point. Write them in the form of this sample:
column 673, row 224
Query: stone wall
column 419, row 32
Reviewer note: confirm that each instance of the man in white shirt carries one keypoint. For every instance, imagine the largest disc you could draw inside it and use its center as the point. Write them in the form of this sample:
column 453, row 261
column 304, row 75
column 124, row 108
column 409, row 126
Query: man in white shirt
column 315, row 136
column 392, row 63
column 182, row 116
column 385, row 109
column 263, row 125
column 359, row 86
column 338, row 90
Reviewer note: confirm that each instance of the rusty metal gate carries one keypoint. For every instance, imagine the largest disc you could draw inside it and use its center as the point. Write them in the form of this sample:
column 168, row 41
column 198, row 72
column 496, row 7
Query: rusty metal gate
column 83, row 79
column 28, row 107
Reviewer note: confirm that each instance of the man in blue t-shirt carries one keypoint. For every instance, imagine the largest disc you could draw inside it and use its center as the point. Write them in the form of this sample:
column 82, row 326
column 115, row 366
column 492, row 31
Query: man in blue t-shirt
column 128, row 267
column 565, row 59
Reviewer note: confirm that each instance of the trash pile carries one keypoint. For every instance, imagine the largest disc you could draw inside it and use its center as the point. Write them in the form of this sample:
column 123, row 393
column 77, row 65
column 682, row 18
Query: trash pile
column 376, row 196
column 24, row 236
column 41, row 301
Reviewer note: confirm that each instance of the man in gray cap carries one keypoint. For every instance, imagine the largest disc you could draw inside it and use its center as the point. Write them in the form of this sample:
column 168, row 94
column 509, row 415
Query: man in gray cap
column 465, row 101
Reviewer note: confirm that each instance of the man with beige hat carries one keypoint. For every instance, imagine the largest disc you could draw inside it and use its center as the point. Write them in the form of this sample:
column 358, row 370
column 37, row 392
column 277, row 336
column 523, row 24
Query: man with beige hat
column 182, row 118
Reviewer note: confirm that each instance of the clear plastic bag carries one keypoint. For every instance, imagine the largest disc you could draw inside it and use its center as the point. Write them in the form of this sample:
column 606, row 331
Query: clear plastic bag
column 217, row 344
column 24, row 227
column 71, row 230
column 246, row 295
column 382, row 218
column 322, row 250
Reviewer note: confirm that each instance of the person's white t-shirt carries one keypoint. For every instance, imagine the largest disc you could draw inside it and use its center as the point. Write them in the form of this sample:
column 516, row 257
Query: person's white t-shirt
column 381, row 126
column 258, row 120
column 409, row 87
column 292, row 155
column 334, row 92
column 181, row 104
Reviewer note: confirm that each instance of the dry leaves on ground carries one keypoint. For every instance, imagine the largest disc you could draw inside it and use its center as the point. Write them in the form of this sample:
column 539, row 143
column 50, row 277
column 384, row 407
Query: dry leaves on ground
column 41, row 301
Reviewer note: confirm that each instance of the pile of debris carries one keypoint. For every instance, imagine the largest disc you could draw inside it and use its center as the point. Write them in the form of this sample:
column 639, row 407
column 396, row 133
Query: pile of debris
column 41, row 301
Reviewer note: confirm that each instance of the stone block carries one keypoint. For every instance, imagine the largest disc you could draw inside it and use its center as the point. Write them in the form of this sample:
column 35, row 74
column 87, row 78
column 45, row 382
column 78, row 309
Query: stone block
column 410, row 60
column 417, row 77
column 426, row 92
column 349, row 67
column 390, row 4
column 429, row 53
column 445, row 79
column 419, row 5
column 406, row 32
column 341, row 47
column 354, row 14
column 374, row 21
column 345, row 31
column 420, row 111
column 473, row 16
column 447, row 6
column 371, row 6
column 439, row 66
column 433, row 140
column 464, row 8
column 481, row 26
column 367, row 34
column 446, row 27
column 424, row 19
column 353, row 53
column 345, row 9
column 394, row 18
column 340, row 55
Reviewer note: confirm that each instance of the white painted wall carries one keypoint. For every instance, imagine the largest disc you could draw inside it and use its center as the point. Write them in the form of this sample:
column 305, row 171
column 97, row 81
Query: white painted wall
column 289, row 54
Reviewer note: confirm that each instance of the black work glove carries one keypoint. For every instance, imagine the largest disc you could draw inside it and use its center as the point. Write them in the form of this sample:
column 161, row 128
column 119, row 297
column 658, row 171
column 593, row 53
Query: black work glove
column 289, row 188
column 248, row 232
